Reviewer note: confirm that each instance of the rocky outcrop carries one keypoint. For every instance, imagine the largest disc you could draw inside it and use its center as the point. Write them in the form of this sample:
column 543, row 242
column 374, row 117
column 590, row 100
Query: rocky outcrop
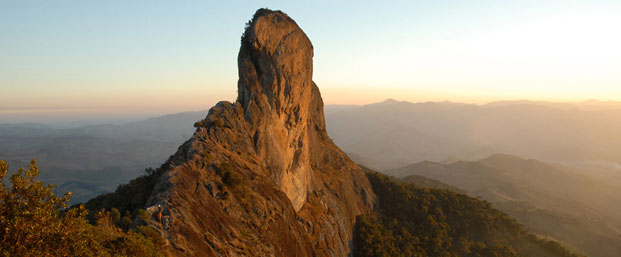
column 261, row 177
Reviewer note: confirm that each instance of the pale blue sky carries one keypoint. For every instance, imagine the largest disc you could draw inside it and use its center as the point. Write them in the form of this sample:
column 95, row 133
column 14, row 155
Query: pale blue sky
column 153, row 57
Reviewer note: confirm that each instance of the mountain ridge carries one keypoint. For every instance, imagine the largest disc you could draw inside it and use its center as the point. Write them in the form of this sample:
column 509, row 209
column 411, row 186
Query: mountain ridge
column 393, row 135
column 550, row 200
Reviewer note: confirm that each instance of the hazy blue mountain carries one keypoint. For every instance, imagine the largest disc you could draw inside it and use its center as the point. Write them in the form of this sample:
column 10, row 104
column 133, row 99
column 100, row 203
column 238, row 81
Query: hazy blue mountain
column 589, row 105
column 392, row 134
column 551, row 200
column 92, row 159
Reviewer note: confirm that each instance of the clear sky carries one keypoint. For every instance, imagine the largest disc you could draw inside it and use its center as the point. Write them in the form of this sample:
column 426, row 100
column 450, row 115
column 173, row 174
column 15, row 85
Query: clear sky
column 152, row 57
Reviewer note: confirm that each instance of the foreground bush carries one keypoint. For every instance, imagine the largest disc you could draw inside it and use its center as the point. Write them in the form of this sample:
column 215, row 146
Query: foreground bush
column 35, row 222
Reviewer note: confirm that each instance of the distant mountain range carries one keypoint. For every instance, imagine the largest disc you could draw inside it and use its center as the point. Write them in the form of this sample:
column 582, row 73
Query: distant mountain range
column 89, row 160
column 589, row 105
column 572, row 206
column 392, row 134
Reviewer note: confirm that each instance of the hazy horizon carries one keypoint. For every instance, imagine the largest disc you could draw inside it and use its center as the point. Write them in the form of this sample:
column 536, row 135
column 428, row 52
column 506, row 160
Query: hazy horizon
column 132, row 60
column 75, row 117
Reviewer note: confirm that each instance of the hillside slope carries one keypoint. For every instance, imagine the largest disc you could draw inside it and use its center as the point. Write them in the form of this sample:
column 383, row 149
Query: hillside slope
column 415, row 221
column 549, row 200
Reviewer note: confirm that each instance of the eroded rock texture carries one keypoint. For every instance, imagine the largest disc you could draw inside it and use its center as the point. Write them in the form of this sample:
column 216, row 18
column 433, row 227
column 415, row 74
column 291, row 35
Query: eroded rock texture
column 261, row 177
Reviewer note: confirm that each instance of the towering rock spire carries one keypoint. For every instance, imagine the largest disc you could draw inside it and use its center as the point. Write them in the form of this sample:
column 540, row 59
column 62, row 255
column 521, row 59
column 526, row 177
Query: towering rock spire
column 261, row 177
column 275, row 90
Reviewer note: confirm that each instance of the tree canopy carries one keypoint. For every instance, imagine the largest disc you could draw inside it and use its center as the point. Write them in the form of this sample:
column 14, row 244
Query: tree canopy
column 35, row 222
column 414, row 221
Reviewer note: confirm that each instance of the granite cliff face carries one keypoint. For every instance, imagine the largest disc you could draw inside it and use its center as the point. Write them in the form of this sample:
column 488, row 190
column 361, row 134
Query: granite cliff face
column 276, row 91
column 261, row 177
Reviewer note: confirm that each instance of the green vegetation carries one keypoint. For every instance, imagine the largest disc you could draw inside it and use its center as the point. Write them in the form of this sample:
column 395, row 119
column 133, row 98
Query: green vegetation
column 424, row 182
column 260, row 12
column 128, row 197
column 200, row 123
column 413, row 221
column 35, row 222
column 140, row 241
column 567, row 205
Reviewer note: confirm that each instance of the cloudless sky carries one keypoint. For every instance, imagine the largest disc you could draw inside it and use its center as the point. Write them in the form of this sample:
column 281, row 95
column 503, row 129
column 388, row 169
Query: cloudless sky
column 137, row 58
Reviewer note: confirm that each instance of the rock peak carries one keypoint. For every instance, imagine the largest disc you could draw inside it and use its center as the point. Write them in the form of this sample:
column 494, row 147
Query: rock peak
column 275, row 61
column 275, row 86
column 261, row 177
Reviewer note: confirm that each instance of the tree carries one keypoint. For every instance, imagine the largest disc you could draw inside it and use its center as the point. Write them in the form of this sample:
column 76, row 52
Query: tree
column 35, row 222
column 32, row 223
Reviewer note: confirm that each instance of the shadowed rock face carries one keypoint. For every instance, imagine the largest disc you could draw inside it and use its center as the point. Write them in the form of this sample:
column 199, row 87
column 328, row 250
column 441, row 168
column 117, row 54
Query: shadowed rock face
column 261, row 177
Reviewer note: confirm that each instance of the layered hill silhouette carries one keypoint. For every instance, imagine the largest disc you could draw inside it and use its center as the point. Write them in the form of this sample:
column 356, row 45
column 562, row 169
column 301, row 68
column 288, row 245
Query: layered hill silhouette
column 90, row 160
column 393, row 134
column 550, row 200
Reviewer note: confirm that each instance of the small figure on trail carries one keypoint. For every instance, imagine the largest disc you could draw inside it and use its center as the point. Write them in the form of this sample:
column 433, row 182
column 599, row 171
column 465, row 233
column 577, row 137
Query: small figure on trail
column 159, row 213
column 200, row 131
column 171, row 165
column 166, row 222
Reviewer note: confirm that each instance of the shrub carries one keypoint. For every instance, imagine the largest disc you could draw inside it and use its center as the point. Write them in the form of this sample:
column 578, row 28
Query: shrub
column 200, row 123
column 35, row 222
column 32, row 223
column 128, row 197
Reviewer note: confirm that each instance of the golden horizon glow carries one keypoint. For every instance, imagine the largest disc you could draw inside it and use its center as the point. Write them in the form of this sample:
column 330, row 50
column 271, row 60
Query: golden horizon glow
column 478, row 52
